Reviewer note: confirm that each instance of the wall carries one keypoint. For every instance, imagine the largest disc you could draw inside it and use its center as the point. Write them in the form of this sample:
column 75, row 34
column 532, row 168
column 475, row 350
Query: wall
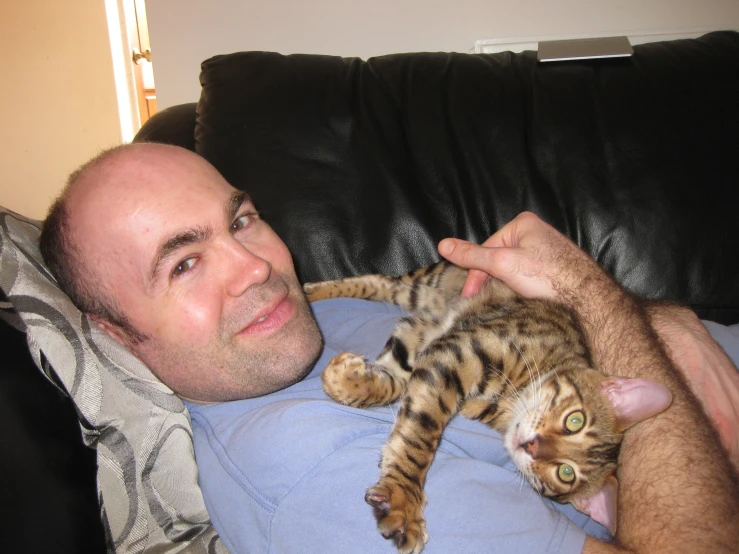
column 58, row 97
column 185, row 32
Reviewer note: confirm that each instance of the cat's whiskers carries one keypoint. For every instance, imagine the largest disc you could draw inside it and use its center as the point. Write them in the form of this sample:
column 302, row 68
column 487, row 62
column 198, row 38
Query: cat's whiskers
column 538, row 375
column 523, row 480
column 528, row 368
column 556, row 375
column 523, row 476
column 537, row 381
column 514, row 391
column 519, row 407
column 533, row 480
column 515, row 403
column 545, row 408
column 520, row 410
column 505, row 455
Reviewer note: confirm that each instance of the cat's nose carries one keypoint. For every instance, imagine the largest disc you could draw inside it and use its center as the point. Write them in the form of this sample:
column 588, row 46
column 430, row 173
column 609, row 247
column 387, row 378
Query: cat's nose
column 532, row 446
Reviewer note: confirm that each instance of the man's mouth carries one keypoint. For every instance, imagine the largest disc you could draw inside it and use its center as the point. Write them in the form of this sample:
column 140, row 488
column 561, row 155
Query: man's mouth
column 272, row 320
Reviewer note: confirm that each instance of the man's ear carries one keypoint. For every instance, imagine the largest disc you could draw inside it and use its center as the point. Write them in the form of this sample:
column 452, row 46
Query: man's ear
column 601, row 506
column 111, row 329
column 634, row 400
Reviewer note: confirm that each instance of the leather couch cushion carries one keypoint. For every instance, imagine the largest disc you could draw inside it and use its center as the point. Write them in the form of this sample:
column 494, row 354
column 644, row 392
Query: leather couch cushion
column 174, row 125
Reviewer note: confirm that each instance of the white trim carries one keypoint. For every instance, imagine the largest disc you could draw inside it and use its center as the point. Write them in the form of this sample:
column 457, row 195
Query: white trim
column 519, row 44
column 125, row 88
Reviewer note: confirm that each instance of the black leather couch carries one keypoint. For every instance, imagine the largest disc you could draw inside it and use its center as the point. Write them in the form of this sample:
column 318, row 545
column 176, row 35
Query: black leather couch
column 364, row 166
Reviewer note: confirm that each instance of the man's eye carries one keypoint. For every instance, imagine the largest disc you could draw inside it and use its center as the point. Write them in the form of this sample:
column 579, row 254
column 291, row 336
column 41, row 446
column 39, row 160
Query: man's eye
column 183, row 266
column 240, row 223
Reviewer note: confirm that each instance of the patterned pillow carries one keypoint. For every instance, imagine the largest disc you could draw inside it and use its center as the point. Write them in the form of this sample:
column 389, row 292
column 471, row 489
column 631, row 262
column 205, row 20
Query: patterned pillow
column 147, row 477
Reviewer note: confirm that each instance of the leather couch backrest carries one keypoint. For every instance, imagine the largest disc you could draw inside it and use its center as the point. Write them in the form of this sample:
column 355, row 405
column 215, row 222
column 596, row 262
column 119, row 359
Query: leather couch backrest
column 363, row 166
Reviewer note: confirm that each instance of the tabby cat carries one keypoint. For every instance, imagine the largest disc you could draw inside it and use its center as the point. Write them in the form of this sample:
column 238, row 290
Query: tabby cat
column 521, row 366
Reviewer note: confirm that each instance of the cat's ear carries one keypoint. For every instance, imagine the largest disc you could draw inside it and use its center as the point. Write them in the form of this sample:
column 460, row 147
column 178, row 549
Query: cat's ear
column 634, row 400
column 602, row 505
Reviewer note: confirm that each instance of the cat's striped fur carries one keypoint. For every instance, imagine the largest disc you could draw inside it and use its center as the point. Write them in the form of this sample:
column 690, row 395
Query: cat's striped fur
column 521, row 366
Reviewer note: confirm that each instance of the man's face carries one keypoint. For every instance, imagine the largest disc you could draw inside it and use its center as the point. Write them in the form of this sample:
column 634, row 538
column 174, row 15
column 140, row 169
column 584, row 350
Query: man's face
column 194, row 268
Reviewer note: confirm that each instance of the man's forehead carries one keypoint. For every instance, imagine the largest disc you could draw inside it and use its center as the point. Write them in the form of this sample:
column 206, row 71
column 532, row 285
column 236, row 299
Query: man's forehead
column 149, row 218
column 133, row 208
column 144, row 180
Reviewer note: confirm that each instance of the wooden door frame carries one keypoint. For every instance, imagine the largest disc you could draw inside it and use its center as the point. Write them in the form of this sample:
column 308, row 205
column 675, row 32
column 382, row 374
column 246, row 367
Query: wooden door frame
column 127, row 75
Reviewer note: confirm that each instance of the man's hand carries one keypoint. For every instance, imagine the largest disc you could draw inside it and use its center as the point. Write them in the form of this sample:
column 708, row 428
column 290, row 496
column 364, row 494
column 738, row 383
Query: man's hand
column 532, row 258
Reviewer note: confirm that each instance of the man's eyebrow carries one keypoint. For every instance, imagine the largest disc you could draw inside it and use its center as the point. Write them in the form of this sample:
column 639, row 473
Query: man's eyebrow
column 196, row 234
column 172, row 244
column 238, row 198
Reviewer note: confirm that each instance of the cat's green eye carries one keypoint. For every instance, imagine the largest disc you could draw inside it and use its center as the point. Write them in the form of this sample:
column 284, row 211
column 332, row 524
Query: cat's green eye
column 566, row 473
column 575, row 421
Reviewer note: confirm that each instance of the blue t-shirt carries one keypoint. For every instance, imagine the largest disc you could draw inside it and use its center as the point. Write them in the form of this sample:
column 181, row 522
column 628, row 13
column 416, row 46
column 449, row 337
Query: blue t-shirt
column 287, row 472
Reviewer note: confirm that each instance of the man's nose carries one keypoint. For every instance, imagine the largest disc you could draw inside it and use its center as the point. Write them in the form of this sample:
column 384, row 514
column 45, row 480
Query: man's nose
column 245, row 269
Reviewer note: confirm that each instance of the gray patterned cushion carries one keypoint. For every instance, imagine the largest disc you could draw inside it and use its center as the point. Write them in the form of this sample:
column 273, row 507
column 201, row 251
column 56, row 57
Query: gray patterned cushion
column 147, row 477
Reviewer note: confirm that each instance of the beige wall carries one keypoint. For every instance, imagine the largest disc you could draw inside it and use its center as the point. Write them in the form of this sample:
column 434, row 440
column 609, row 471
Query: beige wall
column 185, row 32
column 58, row 89
column 57, row 94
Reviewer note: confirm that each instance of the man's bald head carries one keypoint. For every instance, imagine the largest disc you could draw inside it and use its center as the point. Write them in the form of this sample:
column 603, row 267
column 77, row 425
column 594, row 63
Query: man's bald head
column 62, row 239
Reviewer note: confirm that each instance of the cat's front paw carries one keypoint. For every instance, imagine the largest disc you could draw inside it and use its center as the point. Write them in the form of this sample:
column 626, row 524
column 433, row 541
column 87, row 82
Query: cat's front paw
column 399, row 516
column 349, row 380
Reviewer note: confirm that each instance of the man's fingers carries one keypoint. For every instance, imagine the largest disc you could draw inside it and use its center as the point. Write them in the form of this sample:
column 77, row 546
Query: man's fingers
column 515, row 231
column 499, row 262
column 473, row 283
column 465, row 254
column 481, row 261
column 516, row 267
column 469, row 256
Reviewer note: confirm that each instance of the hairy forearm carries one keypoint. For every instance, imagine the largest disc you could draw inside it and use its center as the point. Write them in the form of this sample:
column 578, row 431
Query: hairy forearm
column 709, row 372
column 677, row 489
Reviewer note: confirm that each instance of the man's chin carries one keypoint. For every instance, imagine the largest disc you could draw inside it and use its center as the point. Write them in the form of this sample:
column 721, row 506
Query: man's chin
column 294, row 352
column 306, row 346
column 266, row 361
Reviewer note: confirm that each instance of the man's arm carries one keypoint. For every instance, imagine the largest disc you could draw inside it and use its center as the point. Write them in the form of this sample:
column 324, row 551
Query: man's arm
column 677, row 489
column 712, row 376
